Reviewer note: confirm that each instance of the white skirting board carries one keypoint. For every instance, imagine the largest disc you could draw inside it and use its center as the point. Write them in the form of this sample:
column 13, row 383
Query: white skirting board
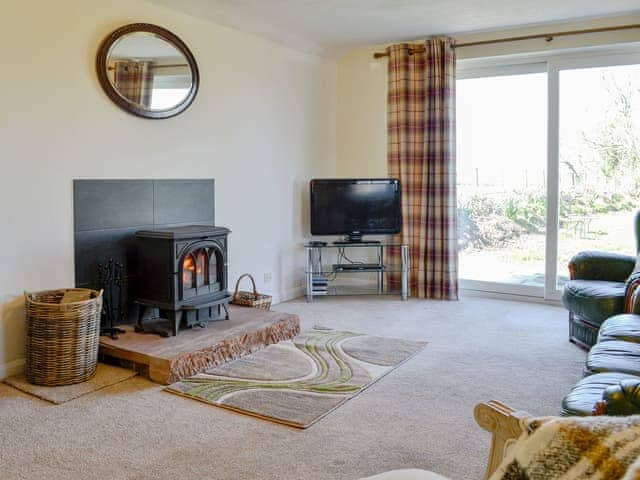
column 11, row 368
column 289, row 294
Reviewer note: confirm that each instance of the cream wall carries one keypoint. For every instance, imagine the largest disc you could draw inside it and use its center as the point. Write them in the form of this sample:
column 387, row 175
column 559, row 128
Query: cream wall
column 262, row 125
column 362, row 86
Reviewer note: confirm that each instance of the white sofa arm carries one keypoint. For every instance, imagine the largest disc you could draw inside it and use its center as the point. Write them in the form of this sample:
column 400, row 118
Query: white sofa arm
column 407, row 474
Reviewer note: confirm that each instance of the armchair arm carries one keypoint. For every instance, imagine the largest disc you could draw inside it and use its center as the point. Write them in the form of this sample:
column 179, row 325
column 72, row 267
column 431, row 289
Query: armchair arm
column 505, row 424
column 594, row 265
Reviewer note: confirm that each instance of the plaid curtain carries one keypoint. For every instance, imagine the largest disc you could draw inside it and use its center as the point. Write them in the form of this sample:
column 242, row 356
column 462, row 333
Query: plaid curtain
column 421, row 153
column 134, row 81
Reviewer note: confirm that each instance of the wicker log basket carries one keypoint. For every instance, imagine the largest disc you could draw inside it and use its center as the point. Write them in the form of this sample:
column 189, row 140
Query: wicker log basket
column 251, row 299
column 63, row 331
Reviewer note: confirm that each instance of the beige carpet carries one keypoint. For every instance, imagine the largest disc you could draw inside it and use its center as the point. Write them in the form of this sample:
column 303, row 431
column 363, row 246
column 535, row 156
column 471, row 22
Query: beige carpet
column 420, row 415
column 297, row 382
column 105, row 376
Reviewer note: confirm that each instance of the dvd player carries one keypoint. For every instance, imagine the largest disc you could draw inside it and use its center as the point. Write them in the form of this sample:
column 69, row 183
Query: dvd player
column 343, row 267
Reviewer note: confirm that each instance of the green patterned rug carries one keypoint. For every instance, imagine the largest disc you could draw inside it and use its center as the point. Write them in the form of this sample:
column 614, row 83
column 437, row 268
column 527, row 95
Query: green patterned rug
column 299, row 381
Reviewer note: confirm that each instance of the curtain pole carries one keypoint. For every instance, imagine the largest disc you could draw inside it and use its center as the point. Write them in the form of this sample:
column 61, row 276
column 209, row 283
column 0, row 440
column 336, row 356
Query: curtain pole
column 547, row 36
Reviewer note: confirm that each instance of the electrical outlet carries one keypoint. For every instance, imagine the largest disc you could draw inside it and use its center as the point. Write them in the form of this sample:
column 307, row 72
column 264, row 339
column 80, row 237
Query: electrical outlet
column 267, row 277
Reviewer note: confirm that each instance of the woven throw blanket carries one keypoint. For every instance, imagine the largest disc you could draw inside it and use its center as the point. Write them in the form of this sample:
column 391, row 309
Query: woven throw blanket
column 575, row 448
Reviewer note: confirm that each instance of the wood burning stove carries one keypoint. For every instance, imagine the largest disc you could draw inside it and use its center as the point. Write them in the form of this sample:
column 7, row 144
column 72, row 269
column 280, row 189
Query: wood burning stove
column 182, row 273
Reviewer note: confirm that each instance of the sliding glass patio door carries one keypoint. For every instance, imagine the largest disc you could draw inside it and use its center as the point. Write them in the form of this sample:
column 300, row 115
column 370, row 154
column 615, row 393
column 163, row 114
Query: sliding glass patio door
column 548, row 165
column 599, row 161
column 502, row 180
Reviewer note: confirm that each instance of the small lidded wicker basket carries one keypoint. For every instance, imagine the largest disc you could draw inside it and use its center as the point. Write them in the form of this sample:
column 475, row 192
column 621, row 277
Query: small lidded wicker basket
column 63, row 331
column 251, row 299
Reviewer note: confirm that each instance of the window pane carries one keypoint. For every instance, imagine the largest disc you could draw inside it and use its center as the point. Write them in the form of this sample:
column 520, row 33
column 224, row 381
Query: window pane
column 599, row 160
column 502, row 158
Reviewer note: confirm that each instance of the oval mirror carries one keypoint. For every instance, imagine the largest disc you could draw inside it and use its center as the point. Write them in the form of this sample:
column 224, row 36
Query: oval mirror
column 147, row 71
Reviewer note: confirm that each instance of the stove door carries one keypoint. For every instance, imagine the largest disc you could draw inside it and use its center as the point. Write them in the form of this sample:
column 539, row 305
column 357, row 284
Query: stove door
column 201, row 272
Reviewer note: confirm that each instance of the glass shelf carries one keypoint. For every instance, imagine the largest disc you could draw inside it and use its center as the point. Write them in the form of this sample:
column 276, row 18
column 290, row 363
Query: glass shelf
column 343, row 290
column 354, row 245
column 328, row 270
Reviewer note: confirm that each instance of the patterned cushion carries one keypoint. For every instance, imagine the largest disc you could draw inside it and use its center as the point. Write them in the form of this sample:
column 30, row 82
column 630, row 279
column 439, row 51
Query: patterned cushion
column 625, row 327
column 573, row 448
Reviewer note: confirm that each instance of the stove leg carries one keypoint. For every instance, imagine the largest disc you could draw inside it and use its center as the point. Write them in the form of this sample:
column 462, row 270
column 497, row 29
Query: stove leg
column 144, row 313
column 226, row 311
column 175, row 318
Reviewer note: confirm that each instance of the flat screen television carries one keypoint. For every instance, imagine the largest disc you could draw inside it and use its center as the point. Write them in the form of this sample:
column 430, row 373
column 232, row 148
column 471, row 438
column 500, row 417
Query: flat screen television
column 355, row 206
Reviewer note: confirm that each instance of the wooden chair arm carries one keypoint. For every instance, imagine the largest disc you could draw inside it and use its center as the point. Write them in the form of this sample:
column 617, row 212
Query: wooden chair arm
column 631, row 295
column 505, row 425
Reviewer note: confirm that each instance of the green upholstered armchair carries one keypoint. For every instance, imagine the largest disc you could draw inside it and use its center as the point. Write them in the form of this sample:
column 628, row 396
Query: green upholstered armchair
column 597, row 289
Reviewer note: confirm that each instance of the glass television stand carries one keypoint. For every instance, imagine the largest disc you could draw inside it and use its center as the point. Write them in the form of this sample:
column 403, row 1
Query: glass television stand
column 354, row 269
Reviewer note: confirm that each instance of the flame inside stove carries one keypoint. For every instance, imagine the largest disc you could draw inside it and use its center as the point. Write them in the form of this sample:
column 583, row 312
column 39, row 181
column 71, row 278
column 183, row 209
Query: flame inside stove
column 194, row 269
column 188, row 270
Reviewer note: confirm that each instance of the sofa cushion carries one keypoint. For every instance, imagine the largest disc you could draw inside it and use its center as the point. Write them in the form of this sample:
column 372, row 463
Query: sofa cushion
column 625, row 327
column 614, row 356
column 583, row 397
column 594, row 300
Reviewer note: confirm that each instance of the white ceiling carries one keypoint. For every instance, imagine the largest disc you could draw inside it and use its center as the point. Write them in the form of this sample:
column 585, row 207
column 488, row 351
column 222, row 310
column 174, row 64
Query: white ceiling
column 327, row 26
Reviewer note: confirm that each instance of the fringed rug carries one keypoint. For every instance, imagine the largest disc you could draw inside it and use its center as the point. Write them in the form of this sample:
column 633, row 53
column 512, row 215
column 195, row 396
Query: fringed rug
column 299, row 381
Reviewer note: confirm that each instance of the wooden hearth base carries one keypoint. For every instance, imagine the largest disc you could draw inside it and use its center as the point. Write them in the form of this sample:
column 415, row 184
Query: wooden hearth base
column 167, row 360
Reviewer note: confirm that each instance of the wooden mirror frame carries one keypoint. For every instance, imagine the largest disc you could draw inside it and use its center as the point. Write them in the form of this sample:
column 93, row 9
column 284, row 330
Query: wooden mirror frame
column 114, row 95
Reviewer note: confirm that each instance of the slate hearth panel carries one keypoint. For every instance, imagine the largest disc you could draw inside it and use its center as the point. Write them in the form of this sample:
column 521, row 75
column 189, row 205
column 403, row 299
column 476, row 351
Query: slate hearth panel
column 101, row 204
column 183, row 201
column 108, row 213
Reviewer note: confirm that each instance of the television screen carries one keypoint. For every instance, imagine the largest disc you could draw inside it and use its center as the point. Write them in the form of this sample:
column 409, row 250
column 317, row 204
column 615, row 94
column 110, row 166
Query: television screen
column 355, row 206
